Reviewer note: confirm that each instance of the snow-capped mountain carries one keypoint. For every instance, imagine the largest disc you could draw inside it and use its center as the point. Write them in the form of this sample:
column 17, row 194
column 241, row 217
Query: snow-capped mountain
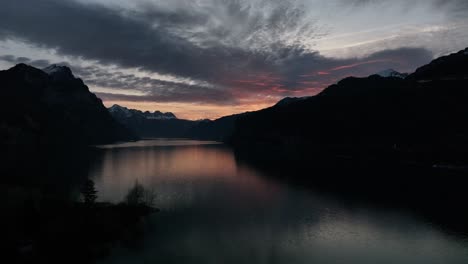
column 167, row 125
column 391, row 73
column 159, row 115
column 151, row 124
column 59, row 73
column 120, row 112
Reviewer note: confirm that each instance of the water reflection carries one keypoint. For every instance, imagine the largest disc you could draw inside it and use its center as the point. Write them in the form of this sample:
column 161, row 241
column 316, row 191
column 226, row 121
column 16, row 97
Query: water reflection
column 215, row 210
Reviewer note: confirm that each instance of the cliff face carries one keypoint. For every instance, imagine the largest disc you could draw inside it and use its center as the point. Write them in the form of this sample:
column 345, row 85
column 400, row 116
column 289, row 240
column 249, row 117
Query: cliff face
column 51, row 106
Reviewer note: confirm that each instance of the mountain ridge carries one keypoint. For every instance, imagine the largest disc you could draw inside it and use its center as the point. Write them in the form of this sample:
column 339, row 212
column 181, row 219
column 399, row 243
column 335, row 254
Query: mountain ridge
column 43, row 108
column 374, row 114
column 167, row 125
column 116, row 110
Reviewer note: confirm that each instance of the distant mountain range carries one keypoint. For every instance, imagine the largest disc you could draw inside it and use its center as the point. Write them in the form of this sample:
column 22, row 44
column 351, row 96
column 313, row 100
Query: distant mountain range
column 51, row 106
column 387, row 110
column 167, row 125
column 424, row 112
column 123, row 113
column 151, row 124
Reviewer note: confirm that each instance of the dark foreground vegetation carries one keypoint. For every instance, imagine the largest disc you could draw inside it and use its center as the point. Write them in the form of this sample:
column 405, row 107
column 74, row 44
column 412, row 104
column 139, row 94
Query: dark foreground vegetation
column 42, row 229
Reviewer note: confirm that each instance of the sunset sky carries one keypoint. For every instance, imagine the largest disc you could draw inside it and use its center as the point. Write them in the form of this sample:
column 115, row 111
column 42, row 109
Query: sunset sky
column 209, row 58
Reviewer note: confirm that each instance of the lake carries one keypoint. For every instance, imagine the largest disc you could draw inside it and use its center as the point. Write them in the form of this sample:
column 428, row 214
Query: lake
column 215, row 209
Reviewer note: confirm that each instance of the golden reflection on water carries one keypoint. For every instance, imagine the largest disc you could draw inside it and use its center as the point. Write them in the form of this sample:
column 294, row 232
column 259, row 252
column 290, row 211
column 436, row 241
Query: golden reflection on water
column 173, row 164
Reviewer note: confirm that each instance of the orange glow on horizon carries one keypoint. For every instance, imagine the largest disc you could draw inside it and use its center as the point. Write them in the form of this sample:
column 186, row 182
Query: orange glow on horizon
column 255, row 92
column 194, row 111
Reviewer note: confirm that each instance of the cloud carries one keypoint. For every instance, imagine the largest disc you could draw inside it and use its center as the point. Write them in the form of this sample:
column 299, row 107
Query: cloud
column 15, row 60
column 452, row 7
column 298, row 74
column 149, row 89
column 157, row 40
column 238, row 51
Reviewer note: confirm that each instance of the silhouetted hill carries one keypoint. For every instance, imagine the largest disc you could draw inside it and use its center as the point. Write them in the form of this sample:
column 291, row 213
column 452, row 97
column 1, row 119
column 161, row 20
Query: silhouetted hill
column 220, row 129
column 290, row 100
column 424, row 113
column 51, row 106
column 453, row 66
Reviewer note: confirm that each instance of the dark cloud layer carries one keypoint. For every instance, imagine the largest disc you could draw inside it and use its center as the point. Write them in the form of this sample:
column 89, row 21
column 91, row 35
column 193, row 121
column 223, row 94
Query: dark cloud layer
column 147, row 40
column 15, row 60
column 152, row 89
column 252, row 52
column 459, row 4
column 299, row 75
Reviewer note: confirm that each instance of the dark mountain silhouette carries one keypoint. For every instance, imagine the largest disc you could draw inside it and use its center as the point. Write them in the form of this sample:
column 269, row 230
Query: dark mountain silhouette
column 424, row 113
column 453, row 66
column 393, row 141
column 290, row 100
column 220, row 129
column 51, row 106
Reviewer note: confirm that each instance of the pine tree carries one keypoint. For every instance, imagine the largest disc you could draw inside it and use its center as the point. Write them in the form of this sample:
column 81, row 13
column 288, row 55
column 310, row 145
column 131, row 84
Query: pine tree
column 140, row 196
column 136, row 194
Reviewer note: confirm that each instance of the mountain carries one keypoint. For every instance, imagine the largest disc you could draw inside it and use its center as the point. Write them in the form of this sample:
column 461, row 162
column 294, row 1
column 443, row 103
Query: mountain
column 51, row 106
column 121, row 113
column 220, row 129
column 151, row 124
column 167, row 125
column 450, row 67
column 392, row 73
column 289, row 100
column 423, row 113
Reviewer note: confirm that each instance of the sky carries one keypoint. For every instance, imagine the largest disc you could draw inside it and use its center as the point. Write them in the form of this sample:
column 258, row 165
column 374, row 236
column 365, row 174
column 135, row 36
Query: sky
column 210, row 58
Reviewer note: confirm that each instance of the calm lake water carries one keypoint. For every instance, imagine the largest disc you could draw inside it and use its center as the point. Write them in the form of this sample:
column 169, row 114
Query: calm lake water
column 217, row 210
